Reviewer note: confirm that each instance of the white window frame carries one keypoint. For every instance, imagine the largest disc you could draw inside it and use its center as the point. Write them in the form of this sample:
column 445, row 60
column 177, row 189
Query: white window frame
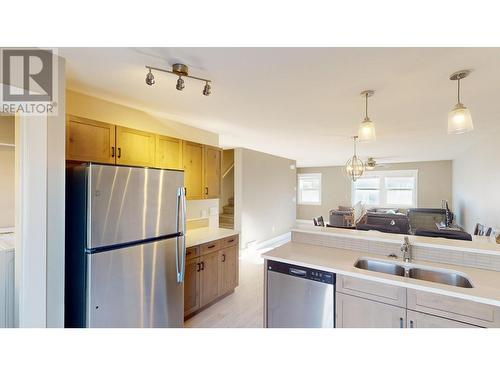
column 383, row 191
column 299, row 195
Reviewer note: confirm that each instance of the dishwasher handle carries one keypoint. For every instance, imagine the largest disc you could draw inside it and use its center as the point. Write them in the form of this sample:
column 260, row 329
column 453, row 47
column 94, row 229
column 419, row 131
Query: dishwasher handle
column 298, row 272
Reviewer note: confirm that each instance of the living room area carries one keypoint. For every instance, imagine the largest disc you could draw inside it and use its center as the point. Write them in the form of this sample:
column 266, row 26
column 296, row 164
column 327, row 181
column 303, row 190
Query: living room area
column 417, row 198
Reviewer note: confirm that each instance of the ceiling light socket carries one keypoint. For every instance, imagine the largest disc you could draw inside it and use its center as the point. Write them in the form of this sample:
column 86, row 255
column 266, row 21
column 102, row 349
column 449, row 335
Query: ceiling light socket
column 461, row 74
column 180, row 69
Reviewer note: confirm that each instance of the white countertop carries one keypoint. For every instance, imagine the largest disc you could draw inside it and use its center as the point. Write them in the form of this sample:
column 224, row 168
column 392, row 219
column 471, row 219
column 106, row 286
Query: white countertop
column 486, row 283
column 198, row 236
column 481, row 247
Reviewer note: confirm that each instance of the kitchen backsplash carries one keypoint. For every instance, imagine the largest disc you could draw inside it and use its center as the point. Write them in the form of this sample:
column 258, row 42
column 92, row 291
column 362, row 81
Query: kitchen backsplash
column 204, row 208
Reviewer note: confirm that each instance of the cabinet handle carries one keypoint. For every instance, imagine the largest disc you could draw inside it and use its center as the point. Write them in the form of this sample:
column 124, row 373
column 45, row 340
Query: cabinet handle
column 211, row 246
column 206, row 191
column 223, row 258
column 112, row 151
column 401, row 321
column 231, row 240
column 119, row 152
column 202, row 266
column 411, row 324
column 199, row 267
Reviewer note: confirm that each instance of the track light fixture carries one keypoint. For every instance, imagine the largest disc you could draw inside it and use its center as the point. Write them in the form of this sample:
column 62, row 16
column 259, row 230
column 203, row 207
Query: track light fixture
column 150, row 78
column 180, row 70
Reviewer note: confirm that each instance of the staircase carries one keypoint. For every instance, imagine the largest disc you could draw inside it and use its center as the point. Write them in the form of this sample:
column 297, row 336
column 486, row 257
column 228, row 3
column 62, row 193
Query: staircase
column 226, row 218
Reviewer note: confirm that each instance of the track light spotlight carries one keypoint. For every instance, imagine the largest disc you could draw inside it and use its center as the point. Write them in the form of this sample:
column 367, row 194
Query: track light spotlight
column 207, row 89
column 150, row 78
column 181, row 71
column 180, row 84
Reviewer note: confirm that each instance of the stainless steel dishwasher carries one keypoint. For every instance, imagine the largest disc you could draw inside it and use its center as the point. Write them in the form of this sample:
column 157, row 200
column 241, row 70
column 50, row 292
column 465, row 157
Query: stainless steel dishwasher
column 299, row 297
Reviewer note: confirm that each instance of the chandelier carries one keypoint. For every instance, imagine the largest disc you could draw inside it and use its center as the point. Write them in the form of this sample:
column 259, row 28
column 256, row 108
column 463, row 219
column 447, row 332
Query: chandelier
column 354, row 168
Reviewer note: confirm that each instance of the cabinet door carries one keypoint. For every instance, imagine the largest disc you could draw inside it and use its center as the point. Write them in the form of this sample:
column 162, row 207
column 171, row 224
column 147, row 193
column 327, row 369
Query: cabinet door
column 420, row 320
column 192, row 286
column 228, row 261
column 134, row 147
column 356, row 312
column 212, row 172
column 193, row 169
column 89, row 140
column 168, row 152
column 209, row 283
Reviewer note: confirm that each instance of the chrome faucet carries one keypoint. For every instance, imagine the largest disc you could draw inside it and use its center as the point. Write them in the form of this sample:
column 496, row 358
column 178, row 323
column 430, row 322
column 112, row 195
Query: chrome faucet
column 406, row 250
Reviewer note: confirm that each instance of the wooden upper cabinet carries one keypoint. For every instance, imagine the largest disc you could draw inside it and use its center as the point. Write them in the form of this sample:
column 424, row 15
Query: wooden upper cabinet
column 134, row 147
column 89, row 140
column 212, row 172
column 168, row 152
column 193, row 169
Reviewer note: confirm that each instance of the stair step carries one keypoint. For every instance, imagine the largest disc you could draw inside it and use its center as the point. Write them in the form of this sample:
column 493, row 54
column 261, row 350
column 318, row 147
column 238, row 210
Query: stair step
column 226, row 225
column 228, row 209
column 226, row 218
column 231, row 201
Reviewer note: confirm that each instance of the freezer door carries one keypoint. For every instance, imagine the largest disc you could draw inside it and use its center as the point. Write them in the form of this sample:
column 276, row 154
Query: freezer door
column 127, row 204
column 135, row 287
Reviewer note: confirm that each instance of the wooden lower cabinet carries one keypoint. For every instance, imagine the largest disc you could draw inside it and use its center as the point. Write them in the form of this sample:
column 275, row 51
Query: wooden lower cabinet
column 211, row 272
column 356, row 312
column 228, row 259
column 421, row 320
column 209, row 283
column 192, row 286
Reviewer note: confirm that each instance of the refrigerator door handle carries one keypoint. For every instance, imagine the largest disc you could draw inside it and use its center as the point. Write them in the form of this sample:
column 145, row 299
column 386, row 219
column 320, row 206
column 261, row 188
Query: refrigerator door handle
column 181, row 239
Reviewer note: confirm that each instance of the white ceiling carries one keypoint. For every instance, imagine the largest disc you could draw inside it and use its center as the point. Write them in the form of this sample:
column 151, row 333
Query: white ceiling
column 304, row 103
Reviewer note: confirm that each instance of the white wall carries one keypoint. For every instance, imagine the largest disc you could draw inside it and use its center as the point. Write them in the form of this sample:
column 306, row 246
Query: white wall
column 83, row 105
column 7, row 170
column 264, row 196
column 434, row 185
column 476, row 184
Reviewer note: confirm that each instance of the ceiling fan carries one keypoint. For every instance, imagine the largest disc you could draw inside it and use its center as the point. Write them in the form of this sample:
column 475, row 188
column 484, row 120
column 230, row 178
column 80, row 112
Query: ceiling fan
column 371, row 164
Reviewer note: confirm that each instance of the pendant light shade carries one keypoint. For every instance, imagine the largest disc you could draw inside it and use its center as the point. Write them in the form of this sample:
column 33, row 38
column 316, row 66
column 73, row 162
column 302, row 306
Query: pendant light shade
column 354, row 168
column 366, row 130
column 459, row 118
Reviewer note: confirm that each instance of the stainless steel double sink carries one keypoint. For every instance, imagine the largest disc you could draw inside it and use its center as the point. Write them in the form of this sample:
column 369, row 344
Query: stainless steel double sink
column 415, row 271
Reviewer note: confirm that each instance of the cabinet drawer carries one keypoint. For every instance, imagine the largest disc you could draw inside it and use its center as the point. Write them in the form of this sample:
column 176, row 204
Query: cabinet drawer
column 192, row 252
column 230, row 241
column 373, row 290
column 454, row 308
column 209, row 247
column 421, row 320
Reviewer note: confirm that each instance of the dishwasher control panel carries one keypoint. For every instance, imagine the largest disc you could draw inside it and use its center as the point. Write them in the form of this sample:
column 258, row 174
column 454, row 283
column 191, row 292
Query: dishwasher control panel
column 303, row 272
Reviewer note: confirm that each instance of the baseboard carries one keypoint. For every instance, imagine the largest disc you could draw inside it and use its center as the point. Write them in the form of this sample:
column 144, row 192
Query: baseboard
column 272, row 242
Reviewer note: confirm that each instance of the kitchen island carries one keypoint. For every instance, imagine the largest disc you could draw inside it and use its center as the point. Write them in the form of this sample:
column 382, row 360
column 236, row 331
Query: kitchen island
column 367, row 298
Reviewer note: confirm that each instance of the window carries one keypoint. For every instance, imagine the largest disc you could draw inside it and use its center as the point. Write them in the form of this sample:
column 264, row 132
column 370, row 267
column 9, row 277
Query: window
column 309, row 188
column 390, row 189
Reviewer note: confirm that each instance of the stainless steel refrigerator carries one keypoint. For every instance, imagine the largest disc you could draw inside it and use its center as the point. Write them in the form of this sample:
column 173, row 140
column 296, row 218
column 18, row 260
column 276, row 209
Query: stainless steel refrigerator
column 125, row 246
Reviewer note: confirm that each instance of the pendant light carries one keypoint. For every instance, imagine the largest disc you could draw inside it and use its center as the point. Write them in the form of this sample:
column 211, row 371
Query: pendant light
column 366, row 131
column 459, row 118
column 354, row 168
